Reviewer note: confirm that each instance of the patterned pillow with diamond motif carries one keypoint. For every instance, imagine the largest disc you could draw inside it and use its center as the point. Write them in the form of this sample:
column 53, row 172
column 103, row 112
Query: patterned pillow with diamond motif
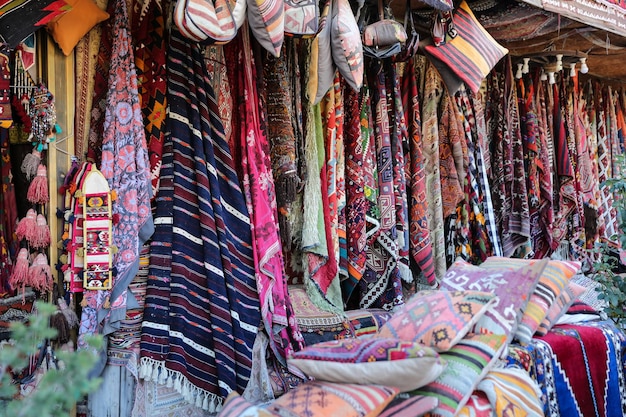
column 513, row 287
column 438, row 318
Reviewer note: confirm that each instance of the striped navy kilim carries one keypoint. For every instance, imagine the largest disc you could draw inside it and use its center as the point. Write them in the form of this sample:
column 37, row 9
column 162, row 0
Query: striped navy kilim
column 202, row 308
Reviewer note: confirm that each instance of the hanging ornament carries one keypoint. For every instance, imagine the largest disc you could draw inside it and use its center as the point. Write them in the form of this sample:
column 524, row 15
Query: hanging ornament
column 30, row 163
column 38, row 189
column 43, row 117
column 39, row 275
column 41, row 238
column 27, row 226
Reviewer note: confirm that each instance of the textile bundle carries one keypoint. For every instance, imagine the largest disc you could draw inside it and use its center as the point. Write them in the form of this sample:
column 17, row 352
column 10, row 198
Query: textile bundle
column 202, row 308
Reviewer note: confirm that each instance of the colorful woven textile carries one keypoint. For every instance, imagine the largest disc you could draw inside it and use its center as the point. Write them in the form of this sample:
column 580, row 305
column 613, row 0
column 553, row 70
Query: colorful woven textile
column 86, row 55
column 18, row 19
column 276, row 309
column 380, row 285
column 433, row 92
column 125, row 166
column 149, row 41
column 578, row 368
column 509, row 185
column 202, row 309
column 8, row 211
column 511, row 389
column 419, row 235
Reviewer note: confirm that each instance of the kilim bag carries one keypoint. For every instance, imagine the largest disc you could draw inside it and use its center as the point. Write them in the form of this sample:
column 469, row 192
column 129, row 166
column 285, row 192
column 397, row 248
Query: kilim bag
column 207, row 20
column 472, row 53
column 383, row 38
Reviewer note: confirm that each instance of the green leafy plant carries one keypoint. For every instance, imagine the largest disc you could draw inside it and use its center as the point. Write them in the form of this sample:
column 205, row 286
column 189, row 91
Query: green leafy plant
column 612, row 288
column 59, row 389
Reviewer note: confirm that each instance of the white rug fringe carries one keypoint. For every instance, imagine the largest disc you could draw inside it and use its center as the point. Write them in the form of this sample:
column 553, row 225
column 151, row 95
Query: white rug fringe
column 155, row 371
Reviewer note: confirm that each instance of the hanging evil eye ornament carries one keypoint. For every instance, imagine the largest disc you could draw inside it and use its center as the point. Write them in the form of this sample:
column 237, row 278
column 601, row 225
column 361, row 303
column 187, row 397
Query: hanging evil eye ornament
column 43, row 117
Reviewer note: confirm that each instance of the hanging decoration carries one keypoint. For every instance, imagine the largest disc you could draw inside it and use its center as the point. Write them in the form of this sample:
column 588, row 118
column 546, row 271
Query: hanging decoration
column 38, row 188
column 42, row 113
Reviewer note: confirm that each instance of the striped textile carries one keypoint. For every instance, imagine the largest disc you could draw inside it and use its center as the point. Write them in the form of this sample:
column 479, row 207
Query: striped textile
column 202, row 308
column 512, row 389
column 267, row 23
column 468, row 361
column 472, row 54
column 409, row 407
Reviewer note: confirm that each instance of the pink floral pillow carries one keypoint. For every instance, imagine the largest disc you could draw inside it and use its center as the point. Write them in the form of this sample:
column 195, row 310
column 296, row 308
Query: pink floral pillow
column 438, row 318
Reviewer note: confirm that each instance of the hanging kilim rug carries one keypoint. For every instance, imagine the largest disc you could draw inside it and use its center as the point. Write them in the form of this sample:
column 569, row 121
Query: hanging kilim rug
column 202, row 308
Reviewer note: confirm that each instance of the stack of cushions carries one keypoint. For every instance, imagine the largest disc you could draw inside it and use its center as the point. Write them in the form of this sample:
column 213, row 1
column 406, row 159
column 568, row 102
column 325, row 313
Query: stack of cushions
column 426, row 348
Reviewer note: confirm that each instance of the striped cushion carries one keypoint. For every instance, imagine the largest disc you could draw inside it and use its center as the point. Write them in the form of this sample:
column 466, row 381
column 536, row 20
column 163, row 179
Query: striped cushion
column 330, row 399
column 553, row 281
column 472, row 54
column 560, row 307
column 468, row 362
column 512, row 389
column 267, row 23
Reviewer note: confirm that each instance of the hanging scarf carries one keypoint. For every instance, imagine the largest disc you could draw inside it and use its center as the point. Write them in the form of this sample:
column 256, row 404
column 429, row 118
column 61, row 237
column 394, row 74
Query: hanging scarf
column 125, row 166
column 149, row 39
column 276, row 309
column 419, row 235
column 380, row 285
column 202, row 307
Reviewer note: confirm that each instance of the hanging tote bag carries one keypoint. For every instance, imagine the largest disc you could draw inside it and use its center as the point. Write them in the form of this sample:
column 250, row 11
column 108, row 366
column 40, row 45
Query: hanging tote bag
column 206, row 20
column 471, row 53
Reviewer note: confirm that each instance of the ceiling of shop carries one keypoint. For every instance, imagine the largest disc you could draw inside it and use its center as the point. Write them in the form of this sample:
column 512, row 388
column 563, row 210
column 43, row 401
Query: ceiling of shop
column 528, row 31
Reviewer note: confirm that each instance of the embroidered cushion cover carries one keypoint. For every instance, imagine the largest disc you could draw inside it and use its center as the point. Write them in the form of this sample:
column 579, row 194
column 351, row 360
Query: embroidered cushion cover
column 553, row 281
column 468, row 361
column 317, row 398
column 347, row 47
column 437, row 318
column 560, row 307
column 237, row 406
column 513, row 287
column 392, row 362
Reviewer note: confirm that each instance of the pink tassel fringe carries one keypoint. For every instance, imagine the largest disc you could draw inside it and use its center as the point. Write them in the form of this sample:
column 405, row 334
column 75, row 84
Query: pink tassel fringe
column 38, row 189
column 41, row 238
column 26, row 227
column 19, row 275
column 39, row 275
